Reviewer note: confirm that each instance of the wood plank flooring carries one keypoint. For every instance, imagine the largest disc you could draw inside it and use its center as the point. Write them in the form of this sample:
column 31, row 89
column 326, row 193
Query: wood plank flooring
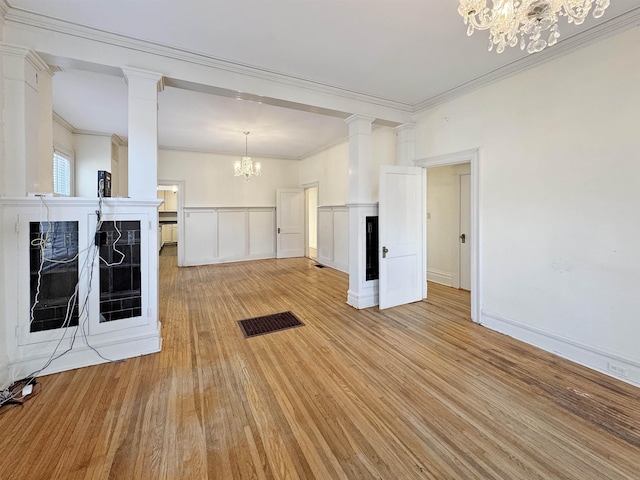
column 414, row 392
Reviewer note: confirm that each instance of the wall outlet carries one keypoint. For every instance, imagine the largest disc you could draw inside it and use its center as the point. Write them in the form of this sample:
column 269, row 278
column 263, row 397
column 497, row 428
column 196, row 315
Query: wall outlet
column 618, row 370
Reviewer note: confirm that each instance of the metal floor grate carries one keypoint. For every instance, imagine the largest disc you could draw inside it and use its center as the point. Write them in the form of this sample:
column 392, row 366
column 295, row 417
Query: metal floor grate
column 252, row 327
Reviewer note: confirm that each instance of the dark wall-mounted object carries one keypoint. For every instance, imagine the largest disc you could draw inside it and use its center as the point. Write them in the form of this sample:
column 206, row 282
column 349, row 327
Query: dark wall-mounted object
column 104, row 183
column 371, row 252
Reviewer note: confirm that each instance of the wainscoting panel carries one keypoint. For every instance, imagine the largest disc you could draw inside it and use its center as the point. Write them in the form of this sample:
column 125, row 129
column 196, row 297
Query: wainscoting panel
column 333, row 237
column 262, row 240
column 325, row 235
column 229, row 234
column 200, row 236
column 232, row 234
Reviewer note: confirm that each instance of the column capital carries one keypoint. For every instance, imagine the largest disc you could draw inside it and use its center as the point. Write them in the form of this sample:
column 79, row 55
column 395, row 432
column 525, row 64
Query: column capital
column 408, row 129
column 359, row 117
column 26, row 54
column 131, row 73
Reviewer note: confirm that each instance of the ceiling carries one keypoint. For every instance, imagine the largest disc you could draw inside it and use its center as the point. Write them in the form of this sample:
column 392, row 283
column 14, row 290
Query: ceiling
column 401, row 51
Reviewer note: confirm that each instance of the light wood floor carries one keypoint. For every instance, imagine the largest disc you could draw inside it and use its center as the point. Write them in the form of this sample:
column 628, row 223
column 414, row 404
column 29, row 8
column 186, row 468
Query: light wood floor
column 415, row 392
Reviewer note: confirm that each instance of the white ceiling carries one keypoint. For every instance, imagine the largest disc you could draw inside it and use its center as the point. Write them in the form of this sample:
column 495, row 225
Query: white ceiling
column 405, row 51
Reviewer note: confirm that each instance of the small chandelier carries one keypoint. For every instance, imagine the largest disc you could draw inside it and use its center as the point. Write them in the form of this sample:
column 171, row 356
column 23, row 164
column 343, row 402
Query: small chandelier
column 246, row 168
column 507, row 20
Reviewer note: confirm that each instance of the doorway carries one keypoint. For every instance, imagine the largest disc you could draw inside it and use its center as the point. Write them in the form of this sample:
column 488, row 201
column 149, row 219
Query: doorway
column 311, row 221
column 170, row 218
column 448, row 225
column 437, row 272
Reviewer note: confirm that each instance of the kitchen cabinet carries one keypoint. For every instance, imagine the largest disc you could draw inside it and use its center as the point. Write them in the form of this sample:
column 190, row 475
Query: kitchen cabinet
column 170, row 199
column 174, row 233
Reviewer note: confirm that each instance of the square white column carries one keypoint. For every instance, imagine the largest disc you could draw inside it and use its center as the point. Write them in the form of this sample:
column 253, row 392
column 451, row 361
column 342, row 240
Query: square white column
column 406, row 144
column 143, row 131
column 26, row 160
column 362, row 293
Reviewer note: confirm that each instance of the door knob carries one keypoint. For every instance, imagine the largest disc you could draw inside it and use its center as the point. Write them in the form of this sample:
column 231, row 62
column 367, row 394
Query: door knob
column 463, row 237
column 385, row 250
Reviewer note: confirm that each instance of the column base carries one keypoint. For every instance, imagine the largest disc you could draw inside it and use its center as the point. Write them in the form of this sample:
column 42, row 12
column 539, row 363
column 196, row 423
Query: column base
column 365, row 298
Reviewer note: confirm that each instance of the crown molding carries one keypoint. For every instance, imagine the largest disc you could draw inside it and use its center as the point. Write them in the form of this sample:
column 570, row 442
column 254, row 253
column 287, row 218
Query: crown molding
column 62, row 121
column 42, row 22
column 227, row 154
column 591, row 35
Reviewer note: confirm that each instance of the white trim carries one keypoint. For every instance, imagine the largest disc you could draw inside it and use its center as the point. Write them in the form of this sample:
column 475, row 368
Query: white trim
column 60, row 120
column 41, row 22
column 472, row 157
column 83, row 356
column 441, row 277
column 180, row 216
column 586, row 355
column 305, row 187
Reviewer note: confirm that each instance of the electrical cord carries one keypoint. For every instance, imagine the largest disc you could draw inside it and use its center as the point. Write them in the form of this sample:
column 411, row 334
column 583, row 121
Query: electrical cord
column 87, row 266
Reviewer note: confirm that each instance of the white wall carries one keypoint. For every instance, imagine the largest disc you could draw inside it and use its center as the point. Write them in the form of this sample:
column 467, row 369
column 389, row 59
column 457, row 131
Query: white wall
column 209, row 180
column 560, row 195
column 330, row 168
column 92, row 153
column 443, row 188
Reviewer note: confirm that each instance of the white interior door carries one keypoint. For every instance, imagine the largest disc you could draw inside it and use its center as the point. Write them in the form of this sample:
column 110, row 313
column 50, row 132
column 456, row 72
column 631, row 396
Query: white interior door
column 400, row 235
column 290, row 222
column 465, row 231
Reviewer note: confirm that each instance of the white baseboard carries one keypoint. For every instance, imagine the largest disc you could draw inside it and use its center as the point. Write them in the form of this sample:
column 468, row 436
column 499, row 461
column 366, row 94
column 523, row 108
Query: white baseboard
column 83, row 356
column 194, row 262
column 438, row 276
column 327, row 262
column 5, row 379
column 594, row 358
column 365, row 300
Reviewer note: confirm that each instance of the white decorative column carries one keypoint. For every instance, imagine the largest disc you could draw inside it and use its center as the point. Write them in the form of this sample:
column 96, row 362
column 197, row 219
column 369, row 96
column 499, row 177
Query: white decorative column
column 406, row 144
column 27, row 157
column 362, row 293
column 143, row 131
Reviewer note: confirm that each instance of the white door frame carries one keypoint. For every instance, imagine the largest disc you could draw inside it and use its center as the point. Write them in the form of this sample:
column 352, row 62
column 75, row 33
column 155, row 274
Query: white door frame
column 306, row 187
column 472, row 157
column 180, row 184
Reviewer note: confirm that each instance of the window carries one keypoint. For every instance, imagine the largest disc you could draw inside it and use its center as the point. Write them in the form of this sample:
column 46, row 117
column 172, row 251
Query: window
column 62, row 168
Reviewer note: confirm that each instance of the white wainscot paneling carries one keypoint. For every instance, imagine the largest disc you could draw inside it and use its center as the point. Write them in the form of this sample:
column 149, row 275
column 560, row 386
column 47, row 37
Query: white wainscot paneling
column 341, row 239
column 333, row 237
column 325, row 235
column 232, row 235
column 229, row 234
column 200, row 236
column 262, row 241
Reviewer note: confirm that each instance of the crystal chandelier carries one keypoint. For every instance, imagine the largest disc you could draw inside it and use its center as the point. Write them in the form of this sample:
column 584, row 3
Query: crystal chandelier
column 523, row 21
column 246, row 168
